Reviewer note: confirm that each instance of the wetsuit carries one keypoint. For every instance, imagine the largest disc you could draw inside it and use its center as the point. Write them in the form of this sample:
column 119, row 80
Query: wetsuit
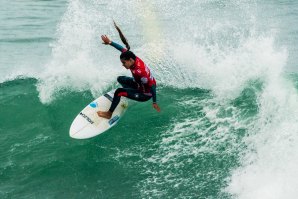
column 141, row 87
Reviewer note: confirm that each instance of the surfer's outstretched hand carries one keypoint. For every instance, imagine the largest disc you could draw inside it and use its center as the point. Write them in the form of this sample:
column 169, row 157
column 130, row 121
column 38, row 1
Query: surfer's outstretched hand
column 106, row 40
column 156, row 107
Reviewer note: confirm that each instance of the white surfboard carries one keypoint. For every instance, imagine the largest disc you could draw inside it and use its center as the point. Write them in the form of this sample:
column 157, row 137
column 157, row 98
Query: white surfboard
column 88, row 124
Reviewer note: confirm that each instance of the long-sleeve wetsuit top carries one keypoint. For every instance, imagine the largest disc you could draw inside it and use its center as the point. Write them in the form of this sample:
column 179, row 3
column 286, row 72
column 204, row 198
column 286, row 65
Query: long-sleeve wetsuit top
column 141, row 74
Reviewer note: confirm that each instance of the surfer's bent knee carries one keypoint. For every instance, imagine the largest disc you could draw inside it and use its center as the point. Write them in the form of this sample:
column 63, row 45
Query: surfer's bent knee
column 121, row 79
column 121, row 92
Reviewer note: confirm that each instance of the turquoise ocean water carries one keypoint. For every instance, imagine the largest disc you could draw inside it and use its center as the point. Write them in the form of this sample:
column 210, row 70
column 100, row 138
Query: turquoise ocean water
column 227, row 88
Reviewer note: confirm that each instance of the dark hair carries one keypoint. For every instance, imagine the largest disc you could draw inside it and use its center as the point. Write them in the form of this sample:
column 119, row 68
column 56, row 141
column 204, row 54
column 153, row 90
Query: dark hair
column 127, row 55
column 123, row 39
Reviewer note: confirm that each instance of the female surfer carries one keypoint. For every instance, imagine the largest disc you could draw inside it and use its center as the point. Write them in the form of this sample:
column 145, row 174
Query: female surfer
column 140, row 87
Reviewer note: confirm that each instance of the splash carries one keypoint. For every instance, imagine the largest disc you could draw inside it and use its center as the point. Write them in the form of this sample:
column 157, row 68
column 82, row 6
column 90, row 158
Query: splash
column 78, row 63
column 268, row 167
column 212, row 52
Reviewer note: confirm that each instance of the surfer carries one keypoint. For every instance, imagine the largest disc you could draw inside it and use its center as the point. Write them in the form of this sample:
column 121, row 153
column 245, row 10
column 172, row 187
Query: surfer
column 141, row 87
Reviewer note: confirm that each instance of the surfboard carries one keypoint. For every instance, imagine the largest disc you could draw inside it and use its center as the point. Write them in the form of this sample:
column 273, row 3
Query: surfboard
column 88, row 124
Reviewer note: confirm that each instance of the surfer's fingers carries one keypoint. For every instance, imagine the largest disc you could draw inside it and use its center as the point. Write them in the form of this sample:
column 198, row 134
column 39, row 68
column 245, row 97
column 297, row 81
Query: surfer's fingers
column 105, row 38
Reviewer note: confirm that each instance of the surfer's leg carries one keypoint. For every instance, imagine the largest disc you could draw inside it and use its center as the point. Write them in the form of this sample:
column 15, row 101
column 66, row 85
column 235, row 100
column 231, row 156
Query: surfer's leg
column 117, row 96
column 133, row 94
column 127, row 82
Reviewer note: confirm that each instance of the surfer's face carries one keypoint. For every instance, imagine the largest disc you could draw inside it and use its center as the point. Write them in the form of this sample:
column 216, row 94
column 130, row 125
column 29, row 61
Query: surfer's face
column 128, row 63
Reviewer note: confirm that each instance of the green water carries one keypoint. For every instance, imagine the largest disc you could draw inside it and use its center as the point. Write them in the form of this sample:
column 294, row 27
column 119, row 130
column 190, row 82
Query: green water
column 39, row 158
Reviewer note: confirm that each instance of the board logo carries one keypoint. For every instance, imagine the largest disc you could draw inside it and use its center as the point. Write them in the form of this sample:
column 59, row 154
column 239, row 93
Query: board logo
column 87, row 118
column 93, row 104
column 114, row 119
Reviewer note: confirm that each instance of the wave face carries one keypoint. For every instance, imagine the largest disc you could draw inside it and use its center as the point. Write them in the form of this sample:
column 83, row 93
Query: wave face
column 227, row 88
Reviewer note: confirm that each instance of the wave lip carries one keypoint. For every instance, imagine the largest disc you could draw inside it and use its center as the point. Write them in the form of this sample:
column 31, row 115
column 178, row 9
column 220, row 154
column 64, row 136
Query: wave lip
column 269, row 165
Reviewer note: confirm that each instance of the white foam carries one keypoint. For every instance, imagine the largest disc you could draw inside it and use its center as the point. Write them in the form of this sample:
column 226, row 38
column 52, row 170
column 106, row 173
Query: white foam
column 79, row 61
column 227, row 72
column 175, row 62
column 269, row 167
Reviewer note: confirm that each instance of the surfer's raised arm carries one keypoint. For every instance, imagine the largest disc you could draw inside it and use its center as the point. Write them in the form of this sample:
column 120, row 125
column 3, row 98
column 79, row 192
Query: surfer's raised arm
column 107, row 41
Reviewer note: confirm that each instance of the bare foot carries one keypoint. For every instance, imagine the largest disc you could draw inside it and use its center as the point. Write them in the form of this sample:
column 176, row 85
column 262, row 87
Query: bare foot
column 106, row 115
